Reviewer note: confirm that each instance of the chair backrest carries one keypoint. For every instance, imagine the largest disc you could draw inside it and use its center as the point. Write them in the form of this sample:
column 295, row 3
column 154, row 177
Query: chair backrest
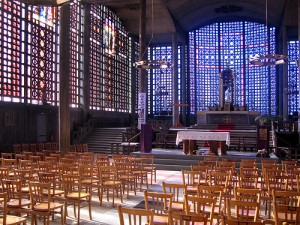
column 177, row 190
column 209, row 192
column 286, row 207
column 3, row 211
column 6, row 155
column 71, row 183
column 190, row 178
column 40, row 193
column 159, row 202
column 243, row 211
column 48, row 177
column 195, row 205
column 132, row 216
column 13, row 189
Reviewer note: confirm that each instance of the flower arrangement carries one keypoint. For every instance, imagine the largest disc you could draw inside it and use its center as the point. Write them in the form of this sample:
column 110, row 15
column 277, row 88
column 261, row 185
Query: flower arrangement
column 263, row 153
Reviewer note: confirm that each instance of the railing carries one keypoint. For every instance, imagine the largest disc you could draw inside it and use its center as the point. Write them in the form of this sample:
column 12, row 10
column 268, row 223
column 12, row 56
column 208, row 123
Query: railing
column 83, row 131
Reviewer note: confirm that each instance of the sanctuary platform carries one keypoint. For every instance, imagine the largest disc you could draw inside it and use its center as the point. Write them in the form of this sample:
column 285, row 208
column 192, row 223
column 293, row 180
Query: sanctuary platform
column 175, row 159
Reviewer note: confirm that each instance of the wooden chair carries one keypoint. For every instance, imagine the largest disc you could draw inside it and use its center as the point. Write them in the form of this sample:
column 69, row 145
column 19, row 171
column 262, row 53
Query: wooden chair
column 32, row 147
column 17, row 148
column 137, row 169
column 42, row 204
column 52, row 178
column 198, row 206
column 25, row 147
column 41, row 147
column 108, row 182
column 16, row 201
column 249, row 195
column 286, row 207
column 191, row 180
column 85, row 147
column 159, row 202
column 75, row 195
column 177, row 191
column 5, row 218
column 123, row 173
column 148, row 164
column 6, row 155
column 210, row 192
column 203, row 173
column 135, row 216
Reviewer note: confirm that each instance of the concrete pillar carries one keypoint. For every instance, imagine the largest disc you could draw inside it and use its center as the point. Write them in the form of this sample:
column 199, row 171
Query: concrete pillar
column 143, row 49
column 175, row 115
column 86, row 73
column 64, row 71
column 284, row 76
column 183, row 86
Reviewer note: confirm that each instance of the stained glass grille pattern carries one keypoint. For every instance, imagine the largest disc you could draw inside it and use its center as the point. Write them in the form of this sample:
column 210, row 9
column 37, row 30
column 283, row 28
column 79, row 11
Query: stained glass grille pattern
column 293, row 79
column 110, row 82
column 76, row 58
column 160, row 89
column 11, row 66
column 216, row 46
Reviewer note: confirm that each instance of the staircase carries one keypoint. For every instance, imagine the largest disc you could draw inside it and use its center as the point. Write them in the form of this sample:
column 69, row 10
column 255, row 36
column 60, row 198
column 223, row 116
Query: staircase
column 100, row 138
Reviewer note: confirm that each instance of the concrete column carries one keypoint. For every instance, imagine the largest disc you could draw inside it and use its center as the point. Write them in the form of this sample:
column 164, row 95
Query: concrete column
column 284, row 74
column 86, row 75
column 175, row 114
column 64, row 71
column 143, row 49
column 183, row 86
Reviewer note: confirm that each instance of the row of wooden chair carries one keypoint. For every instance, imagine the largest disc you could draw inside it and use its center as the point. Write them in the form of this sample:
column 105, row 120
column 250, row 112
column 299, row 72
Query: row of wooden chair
column 48, row 146
column 165, row 208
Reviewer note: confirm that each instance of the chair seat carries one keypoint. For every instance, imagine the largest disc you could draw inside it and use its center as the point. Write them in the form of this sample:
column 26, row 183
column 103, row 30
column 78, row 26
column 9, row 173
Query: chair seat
column 89, row 181
column 44, row 206
column 192, row 189
column 11, row 220
column 177, row 206
column 15, row 203
column 161, row 220
column 111, row 183
column 56, row 192
column 76, row 195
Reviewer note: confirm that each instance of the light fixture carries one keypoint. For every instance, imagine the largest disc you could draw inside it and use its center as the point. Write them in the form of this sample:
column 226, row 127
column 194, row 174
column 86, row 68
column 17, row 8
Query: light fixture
column 46, row 2
column 152, row 64
column 267, row 59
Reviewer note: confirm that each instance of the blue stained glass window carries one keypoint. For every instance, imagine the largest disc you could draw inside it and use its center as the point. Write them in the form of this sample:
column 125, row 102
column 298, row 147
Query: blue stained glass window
column 293, row 80
column 220, row 45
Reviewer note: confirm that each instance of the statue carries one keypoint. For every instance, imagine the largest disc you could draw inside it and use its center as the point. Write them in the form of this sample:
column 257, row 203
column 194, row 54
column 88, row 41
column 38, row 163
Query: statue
column 227, row 95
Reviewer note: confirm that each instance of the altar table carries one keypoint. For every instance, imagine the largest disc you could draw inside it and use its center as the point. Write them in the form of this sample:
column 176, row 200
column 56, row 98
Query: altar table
column 189, row 138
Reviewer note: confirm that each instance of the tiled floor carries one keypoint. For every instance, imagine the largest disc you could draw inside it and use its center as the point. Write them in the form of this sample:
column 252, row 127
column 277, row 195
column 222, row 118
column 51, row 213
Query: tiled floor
column 106, row 215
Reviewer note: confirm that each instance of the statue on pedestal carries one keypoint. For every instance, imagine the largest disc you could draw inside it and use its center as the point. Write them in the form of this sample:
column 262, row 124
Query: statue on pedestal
column 226, row 88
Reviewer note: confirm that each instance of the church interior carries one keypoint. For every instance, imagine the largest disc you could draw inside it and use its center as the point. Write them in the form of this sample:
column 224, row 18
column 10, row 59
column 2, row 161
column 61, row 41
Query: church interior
column 168, row 84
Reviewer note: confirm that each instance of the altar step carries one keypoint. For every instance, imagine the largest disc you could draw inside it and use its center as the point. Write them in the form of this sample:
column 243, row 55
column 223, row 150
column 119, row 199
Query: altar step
column 175, row 160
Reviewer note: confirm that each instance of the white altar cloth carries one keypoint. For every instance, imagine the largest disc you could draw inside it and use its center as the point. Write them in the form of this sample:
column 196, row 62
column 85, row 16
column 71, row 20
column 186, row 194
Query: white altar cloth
column 201, row 135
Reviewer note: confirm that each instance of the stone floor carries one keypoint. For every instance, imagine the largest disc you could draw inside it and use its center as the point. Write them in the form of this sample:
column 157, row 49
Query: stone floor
column 106, row 214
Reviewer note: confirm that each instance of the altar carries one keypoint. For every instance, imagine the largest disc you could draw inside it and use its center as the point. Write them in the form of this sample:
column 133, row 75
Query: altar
column 189, row 140
column 226, row 117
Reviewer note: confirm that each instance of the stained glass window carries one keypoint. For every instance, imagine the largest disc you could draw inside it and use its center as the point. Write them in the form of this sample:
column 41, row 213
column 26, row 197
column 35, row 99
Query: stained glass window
column 293, row 80
column 220, row 45
column 110, row 80
column 77, row 50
